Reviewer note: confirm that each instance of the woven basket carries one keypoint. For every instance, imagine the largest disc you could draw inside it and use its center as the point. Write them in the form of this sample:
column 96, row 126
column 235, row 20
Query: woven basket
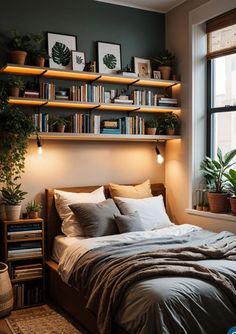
column 6, row 296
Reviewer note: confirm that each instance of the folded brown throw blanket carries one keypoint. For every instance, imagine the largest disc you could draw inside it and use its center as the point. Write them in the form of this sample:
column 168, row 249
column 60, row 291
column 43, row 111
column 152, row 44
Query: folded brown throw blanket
column 115, row 273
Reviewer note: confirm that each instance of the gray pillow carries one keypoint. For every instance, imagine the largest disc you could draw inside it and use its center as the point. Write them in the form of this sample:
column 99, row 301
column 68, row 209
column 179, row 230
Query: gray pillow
column 96, row 219
column 129, row 223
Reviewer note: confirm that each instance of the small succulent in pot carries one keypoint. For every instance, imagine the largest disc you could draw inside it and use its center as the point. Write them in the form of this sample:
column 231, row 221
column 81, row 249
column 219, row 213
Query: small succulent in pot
column 33, row 209
column 151, row 126
column 165, row 61
column 59, row 122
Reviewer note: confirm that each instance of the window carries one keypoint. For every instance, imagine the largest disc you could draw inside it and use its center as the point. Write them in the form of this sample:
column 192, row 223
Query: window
column 221, row 76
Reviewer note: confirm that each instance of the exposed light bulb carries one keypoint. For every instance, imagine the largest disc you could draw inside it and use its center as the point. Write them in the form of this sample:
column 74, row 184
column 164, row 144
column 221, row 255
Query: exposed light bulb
column 160, row 159
column 40, row 150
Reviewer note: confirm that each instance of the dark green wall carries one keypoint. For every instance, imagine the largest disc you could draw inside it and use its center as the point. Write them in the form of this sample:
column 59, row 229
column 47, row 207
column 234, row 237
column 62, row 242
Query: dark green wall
column 140, row 33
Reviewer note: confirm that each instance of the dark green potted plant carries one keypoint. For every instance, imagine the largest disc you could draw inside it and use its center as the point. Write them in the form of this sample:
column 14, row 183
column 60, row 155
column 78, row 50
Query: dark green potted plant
column 33, row 209
column 12, row 196
column 171, row 123
column 15, row 85
column 18, row 45
column 58, row 121
column 215, row 172
column 231, row 187
column 15, row 129
column 151, row 126
column 165, row 60
column 37, row 50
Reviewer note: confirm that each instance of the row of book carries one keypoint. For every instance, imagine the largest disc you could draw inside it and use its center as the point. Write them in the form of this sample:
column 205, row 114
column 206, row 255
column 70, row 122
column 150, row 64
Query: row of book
column 87, row 93
column 27, row 294
column 21, row 231
column 22, row 249
column 87, row 123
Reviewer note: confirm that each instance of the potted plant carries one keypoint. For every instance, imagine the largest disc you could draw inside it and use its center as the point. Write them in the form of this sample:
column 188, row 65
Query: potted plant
column 12, row 197
column 59, row 122
column 171, row 123
column 231, row 187
column 37, row 50
column 151, row 126
column 215, row 171
column 165, row 61
column 33, row 209
column 15, row 85
column 19, row 45
column 15, row 129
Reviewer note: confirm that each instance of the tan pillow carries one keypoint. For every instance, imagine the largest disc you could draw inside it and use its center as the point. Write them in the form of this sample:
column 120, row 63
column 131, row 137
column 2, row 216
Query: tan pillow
column 142, row 190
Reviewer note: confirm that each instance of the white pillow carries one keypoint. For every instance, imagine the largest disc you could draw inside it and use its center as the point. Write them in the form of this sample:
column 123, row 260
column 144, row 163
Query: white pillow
column 70, row 226
column 151, row 211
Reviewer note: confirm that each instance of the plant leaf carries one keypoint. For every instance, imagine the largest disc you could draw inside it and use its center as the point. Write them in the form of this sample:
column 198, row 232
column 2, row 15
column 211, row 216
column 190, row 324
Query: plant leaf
column 61, row 54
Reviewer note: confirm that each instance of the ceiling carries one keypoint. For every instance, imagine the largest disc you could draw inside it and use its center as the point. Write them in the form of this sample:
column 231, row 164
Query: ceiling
column 160, row 6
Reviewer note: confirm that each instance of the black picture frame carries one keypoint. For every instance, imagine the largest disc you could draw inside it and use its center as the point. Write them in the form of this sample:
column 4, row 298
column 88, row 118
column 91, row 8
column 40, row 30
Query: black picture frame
column 59, row 49
column 109, row 57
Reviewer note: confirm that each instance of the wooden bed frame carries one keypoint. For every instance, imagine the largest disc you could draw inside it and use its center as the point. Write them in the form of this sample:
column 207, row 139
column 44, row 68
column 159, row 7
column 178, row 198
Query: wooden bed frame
column 69, row 299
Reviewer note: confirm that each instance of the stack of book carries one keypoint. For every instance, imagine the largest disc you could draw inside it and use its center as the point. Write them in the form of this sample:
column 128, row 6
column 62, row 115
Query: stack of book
column 61, row 95
column 145, row 97
column 31, row 94
column 32, row 270
column 25, row 249
column 167, row 102
column 123, row 99
column 111, row 126
column 21, row 231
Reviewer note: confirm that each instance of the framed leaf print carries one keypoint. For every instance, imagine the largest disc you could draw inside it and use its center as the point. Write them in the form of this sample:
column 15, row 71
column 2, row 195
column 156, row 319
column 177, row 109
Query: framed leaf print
column 59, row 49
column 78, row 60
column 109, row 57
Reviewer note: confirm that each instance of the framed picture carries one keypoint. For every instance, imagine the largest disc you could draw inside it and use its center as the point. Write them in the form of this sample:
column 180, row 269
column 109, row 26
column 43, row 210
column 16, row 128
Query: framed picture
column 59, row 49
column 109, row 57
column 142, row 67
column 157, row 75
column 78, row 60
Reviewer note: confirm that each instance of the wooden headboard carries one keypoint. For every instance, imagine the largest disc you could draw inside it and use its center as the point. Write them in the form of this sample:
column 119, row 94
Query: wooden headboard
column 53, row 221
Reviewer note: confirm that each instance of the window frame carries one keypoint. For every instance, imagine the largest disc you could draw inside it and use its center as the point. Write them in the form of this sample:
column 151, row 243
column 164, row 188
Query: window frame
column 212, row 110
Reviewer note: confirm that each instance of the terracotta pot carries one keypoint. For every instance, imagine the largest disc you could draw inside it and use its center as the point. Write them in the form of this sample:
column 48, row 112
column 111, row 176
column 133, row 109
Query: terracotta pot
column 165, row 72
column 40, row 61
column 199, row 207
column 12, row 212
column 218, row 202
column 33, row 214
column 18, row 57
column 205, row 208
column 233, row 205
column 6, row 295
column 151, row 131
column 170, row 132
column 14, row 91
column 60, row 127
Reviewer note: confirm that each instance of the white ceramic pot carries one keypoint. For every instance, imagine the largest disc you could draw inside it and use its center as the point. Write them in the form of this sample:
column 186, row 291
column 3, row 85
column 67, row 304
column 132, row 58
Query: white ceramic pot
column 6, row 295
column 12, row 212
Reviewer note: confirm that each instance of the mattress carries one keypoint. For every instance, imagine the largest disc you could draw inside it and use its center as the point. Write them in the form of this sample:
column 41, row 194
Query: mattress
column 61, row 243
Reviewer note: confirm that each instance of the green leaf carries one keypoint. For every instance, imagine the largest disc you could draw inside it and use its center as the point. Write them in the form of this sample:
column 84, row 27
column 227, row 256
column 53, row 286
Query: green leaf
column 61, row 54
column 110, row 61
column 229, row 156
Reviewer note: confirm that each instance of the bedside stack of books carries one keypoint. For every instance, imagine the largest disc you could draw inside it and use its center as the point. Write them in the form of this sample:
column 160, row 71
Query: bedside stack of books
column 27, row 271
column 22, row 231
column 24, row 249
column 27, row 294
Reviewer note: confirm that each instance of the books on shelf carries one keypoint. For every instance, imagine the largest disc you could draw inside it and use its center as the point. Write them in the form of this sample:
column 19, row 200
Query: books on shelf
column 121, row 101
column 168, row 102
column 24, row 234
column 21, row 249
column 47, row 90
column 31, row 94
column 87, row 93
column 27, row 294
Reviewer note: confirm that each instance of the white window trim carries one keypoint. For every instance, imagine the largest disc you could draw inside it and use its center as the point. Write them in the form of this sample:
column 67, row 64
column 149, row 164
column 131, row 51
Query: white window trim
column 197, row 80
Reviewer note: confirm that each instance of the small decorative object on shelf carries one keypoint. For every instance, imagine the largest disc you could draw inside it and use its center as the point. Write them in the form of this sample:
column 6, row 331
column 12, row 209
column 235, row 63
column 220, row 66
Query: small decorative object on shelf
column 23, row 242
column 33, row 209
column 6, row 296
column 151, row 127
column 165, row 60
column 109, row 57
column 78, row 61
column 142, row 67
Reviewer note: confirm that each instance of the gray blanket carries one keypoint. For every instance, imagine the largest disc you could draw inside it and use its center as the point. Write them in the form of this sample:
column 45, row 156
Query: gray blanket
column 105, row 276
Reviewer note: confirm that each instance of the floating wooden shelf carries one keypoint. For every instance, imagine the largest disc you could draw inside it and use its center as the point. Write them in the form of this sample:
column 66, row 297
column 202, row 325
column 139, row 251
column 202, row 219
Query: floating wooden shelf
column 85, row 76
column 102, row 137
column 90, row 105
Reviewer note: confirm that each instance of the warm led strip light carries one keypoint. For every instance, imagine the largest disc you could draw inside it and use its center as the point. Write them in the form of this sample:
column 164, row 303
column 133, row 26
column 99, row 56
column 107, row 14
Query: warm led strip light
column 24, row 101
column 71, row 75
column 118, row 107
column 71, row 104
column 24, row 70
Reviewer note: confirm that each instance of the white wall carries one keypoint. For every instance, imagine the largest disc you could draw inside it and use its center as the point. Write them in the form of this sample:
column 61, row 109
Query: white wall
column 71, row 163
column 185, row 36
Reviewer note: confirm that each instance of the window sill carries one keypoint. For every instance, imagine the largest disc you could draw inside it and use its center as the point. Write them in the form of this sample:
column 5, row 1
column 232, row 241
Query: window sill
column 206, row 214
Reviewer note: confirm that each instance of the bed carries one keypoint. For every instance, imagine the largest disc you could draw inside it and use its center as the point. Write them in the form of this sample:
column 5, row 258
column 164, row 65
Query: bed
column 203, row 296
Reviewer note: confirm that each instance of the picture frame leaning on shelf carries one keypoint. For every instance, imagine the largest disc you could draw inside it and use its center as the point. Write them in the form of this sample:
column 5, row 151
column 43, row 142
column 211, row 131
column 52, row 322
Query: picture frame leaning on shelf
column 109, row 57
column 142, row 67
column 59, row 49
